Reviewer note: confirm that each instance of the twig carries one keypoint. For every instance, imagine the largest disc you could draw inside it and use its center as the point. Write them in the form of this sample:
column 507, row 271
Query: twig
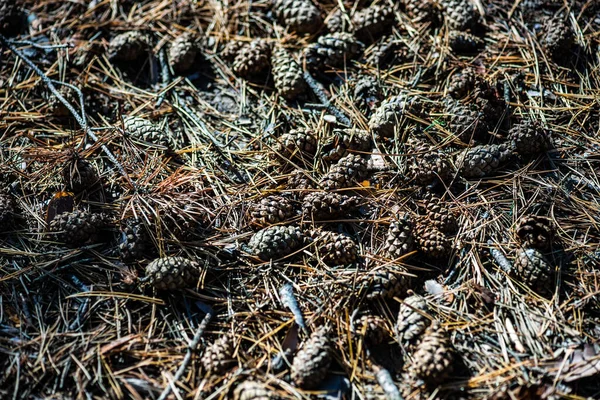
column 500, row 258
column 289, row 300
column 188, row 355
column 320, row 93
column 165, row 75
column 385, row 380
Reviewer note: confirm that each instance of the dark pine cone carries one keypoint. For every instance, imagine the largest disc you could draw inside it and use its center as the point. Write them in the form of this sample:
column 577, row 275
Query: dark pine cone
column 399, row 240
column 529, row 138
column 300, row 16
column 422, row 10
column 78, row 227
column 182, row 53
column 369, row 23
column 427, row 164
column 338, row 21
column 7, row 209
column 276, row 242
column 371, row 328
column 412, row 320
column 464, row 43
column 433, row 358
column 252, row 59
column 439, row 215
column 483, row 160
column 466, row 122
column 334, row 248
column 342, row 140
column 299, row 183
column 321, row 206
column 348, row 171
column 287, row 74
column 298, row 143
column 333, row 49
column 271, row 210
column 134, row 241
column 532, row 268
column 146, row 131
column 390, row 115
column 462, row 83
column 172, row 273
column 460, row 14
column 80, row 175
column 430, row 240
column 385, row 283
column 312, row 362
column 558, row 38
column 218, row 357
column 129, row 46
column 10, row 17
column 251, row 390
column 535, row 231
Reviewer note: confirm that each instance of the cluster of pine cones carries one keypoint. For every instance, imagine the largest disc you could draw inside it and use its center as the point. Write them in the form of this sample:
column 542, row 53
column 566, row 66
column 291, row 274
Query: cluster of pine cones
column 382, row 159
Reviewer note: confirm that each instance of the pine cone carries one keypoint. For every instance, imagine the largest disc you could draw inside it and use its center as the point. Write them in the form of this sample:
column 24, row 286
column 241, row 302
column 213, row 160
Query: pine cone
column 172, row 273
column 144, row 130
column 434, row 356
column 529, row 138
column 369, row 23
column 343, row 140
column 390, row 114
column 335, row 248
column 462, row 83
column 460, row 14
column 7, row 209
column 300, row 16
column 271, row 210
column 535, row 231
column 338, row 21
column 385, row 283
column 427, row 164
column 371, row 328
column 333, row 49
column 300, row 183
column 10, row 17
column 80, row 175
column 182, row 53
column 299, row 143
column 218, row 357
column 384, row 52
column 253, row 59
column 483, row 160
column 287, row 74
column 231, row 50
column 133, row 240
column 464, row 121
column 251, row 390
column 129, row 46
column 276, row 242
column 532, row 268
column 464, row 42
column 440, row 217
column 77, row 228
column 399, row 240
column 422, row 10
column 321, row 206
column 558, row 38
column 312, row 362
column 412, row 320
column 431, row 241
column 346, row 173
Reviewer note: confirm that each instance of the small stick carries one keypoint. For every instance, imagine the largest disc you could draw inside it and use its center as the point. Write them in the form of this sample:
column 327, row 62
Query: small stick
column 385, row 380
column 317, row 88
column 289, row 300
column 500, row 258
column 188, row 355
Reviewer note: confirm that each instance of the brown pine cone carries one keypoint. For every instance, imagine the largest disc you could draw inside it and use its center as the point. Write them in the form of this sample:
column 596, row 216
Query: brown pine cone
column 299, row 183
column 300, row 16
column 439, row 215
column 371, row 328
column 134, row 240
column 342, row 140
column 218, row 357
column 182, row 53
column 431, row 241
column 399, row 240
column 346, row 173
column 276, row 242
column 433, row 358
column 535, row 231
column 462, row 83
column 334, row 248
column 271, row 210
column 529, row 138
column 80, row 175
column 299, row 143
column 532, row 268
column 334, row 49
column 412, row 320
column 385, row 283
column 287, row 74
column 7, row 209
column 312, row 362
column 143, row 130
column 252, row 59
column 390, row 115
column 129, row 46
column 369, row 23
column 463, row 42
column 464, row 121
column 558, row 38
column 427, row 164
column 460, row 14
column 251, row 390
column 480, row 161
column 172, row 273
column 319, row 206
column 78, row 227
